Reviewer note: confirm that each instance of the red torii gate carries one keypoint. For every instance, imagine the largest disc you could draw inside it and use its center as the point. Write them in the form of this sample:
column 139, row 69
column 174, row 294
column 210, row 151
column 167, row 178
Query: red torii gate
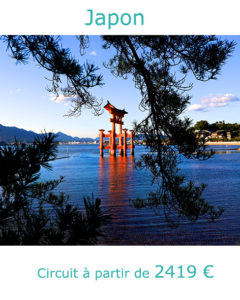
column 117, row 116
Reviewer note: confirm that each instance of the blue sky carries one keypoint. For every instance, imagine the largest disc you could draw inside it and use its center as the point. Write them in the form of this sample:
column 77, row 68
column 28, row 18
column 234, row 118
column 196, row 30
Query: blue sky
column 27, row 104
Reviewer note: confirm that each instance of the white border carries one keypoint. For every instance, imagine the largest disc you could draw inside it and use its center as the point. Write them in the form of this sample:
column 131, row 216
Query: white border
column 161, row 17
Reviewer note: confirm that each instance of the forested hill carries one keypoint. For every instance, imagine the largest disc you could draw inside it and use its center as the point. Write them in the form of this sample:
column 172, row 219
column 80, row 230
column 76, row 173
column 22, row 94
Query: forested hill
column 9, row 134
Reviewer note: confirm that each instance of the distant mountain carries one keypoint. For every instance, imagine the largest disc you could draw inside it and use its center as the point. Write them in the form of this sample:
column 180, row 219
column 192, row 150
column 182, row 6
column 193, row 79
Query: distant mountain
column 62, row 137
column 9, row 134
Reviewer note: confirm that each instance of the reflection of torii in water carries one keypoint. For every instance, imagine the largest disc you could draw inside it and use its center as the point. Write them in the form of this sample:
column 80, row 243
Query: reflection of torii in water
column 117, row 116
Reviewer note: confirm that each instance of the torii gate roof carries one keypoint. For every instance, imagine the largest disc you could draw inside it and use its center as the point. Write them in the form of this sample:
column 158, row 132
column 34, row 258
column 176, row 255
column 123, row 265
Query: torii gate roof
column 113, row 110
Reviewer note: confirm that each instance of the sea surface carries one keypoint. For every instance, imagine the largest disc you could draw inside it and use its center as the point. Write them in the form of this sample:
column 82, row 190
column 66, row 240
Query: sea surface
column 116, row 181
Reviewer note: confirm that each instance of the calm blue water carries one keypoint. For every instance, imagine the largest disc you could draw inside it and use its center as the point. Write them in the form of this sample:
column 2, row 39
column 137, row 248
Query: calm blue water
column 116, row 181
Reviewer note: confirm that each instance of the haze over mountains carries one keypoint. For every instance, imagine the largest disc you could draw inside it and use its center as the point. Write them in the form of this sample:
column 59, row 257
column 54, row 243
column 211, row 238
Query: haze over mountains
column 10, row 134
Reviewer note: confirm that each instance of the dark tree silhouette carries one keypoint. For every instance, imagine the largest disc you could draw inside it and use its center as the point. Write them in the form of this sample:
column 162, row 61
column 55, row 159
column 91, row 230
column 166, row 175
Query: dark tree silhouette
column 47, row 51
column 30, row 212
column 159, row 66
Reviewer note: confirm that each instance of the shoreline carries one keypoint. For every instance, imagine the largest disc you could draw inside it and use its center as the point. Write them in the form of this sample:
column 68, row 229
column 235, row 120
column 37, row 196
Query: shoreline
column 222, row 143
